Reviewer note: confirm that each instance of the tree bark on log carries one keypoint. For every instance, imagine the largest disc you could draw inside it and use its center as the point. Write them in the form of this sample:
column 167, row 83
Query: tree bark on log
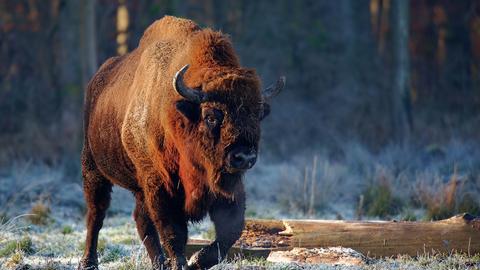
column 372, row 238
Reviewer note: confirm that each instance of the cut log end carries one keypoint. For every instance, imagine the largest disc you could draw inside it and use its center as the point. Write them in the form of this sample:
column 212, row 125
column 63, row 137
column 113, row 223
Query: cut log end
column 472, row 220
column 264, row 234
column 465, row 218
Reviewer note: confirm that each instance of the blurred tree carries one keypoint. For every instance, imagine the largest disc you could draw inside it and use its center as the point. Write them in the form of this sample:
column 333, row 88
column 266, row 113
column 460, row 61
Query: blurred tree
column 475, row 44
column 353, row 66
column 123, row 22
column 28, row 55
column 142, row 13
column 70, row 74
column 88, row 40
column 457, row 62
column 401, row 107
column 106, row 12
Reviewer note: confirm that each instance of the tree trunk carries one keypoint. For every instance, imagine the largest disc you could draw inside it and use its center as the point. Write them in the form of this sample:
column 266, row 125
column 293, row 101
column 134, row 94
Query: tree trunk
column 401, row 107
column 88, row 40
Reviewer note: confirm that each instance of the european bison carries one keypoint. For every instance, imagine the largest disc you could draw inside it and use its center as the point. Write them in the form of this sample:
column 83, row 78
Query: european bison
column 181, row 148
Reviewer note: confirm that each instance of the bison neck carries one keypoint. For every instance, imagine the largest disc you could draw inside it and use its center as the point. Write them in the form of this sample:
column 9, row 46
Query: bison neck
column 201, row 191
column 198, row 195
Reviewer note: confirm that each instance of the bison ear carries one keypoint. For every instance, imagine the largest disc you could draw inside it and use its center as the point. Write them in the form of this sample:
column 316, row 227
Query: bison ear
column 189, row 109
column 265, row 111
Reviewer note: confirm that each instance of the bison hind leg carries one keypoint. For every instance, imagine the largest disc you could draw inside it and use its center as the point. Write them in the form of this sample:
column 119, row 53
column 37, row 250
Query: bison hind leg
column 97, row 191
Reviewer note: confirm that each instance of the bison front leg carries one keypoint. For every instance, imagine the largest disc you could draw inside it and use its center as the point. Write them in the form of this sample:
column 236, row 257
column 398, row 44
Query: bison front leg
column 228, row 216
column 171, row 224
column 147, row 232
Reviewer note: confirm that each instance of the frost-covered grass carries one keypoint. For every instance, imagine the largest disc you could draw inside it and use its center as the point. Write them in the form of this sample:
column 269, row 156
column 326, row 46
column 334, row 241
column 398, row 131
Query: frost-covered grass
column 352, row 182
column 52, row 247
column 454, row 261
column 401, row 182
column 59, row 246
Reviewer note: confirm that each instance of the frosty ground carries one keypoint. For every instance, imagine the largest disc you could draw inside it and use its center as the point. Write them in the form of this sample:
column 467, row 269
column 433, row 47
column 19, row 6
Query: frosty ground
column 42, row 206
column 59, row 245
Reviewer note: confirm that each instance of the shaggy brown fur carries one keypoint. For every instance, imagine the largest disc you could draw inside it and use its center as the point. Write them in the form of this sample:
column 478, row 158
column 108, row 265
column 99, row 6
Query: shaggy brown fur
column 142, row 135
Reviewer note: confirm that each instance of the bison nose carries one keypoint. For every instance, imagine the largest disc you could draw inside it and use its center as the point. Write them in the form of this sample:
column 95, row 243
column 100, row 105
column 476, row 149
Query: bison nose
column 242, row 158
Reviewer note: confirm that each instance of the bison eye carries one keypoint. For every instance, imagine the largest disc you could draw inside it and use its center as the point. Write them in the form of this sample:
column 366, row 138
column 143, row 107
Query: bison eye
column 211, row 121
column 213, row 118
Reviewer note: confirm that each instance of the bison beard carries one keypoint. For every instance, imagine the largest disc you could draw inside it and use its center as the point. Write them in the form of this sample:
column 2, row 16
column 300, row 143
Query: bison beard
column 181, row 148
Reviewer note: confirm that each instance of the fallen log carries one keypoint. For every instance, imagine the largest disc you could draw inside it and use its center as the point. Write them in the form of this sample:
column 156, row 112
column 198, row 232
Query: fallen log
column 372, row 238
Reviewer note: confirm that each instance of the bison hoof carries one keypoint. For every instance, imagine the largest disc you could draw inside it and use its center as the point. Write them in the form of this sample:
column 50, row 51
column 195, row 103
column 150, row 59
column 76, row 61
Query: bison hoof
column 176, row 264
column 86, row 264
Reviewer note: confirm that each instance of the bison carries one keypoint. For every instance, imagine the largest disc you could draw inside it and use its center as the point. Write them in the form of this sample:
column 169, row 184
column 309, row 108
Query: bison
column 176, row 122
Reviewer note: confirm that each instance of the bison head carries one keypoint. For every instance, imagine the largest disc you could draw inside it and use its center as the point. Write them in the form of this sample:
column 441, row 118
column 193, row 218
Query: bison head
column 221, row 123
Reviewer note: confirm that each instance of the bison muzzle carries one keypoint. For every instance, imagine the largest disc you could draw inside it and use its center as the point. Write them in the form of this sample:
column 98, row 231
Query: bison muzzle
column 177, row 122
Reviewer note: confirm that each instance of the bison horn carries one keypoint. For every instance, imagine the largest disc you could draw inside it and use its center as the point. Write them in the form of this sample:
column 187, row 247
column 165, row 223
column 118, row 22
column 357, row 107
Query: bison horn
column 188, row 93
column 274, row 89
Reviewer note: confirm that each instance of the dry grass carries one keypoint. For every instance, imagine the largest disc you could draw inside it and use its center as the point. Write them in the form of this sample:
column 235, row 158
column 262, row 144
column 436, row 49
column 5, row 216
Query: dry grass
column 39, row 214
column 442, row 200
column 401, row 182
column 378, row 200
